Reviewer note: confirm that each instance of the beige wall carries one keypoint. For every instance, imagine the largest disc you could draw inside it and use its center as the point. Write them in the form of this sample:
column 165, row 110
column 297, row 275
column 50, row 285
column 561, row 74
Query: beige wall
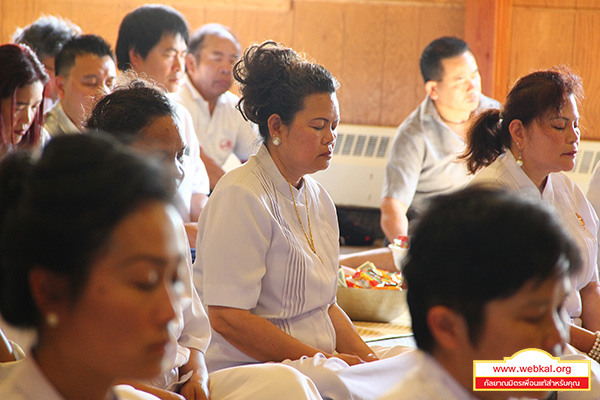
column 551, row 32
column 372, row 47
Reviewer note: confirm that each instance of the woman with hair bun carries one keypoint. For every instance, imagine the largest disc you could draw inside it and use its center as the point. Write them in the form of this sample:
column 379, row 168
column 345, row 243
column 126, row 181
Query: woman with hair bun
column 22, row 80
column 74, row 267
column 268, row 237
column 525, row 147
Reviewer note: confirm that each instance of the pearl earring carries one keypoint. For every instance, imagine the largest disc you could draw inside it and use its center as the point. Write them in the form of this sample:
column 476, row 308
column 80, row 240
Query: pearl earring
column 520, row 159
column 276, row 141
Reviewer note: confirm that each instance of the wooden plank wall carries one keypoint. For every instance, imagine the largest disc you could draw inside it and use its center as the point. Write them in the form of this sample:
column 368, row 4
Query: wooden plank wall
column 545, row 33
column 372, row 47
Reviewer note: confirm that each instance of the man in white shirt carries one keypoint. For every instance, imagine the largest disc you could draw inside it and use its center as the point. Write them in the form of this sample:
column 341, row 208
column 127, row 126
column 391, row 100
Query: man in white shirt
column 221, row 129
column 487, row 276
column 153, row 42
column 85, row 69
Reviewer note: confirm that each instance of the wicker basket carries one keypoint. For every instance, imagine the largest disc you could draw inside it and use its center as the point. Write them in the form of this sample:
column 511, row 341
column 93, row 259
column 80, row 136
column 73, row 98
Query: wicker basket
column 377, row 305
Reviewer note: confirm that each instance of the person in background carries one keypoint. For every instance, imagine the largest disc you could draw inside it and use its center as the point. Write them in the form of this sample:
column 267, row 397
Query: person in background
column 75, row 267
column 153, row 41
column 142, row 117
column 422, row 161
column 46, row 37
column 524, row 147
column 22, row 80
column 476, row 293
column 220, row 127
column 85, row 69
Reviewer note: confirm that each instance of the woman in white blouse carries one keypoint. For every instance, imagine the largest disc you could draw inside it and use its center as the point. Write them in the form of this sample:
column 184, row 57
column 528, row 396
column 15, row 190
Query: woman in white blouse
column 75, row 267
column 524, row 147
column 268, row 237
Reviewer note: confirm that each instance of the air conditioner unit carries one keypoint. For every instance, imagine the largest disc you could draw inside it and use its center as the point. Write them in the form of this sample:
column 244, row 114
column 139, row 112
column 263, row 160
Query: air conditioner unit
column 588, row 156
column 355, row 175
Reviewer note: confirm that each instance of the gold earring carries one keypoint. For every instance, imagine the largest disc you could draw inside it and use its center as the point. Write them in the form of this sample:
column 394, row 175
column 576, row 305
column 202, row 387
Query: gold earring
column 52, row 320
column 520, row 159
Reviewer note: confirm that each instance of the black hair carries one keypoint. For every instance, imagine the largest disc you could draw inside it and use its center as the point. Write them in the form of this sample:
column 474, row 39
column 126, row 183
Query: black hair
column 531, row 98
column 199, row 36
column 130, row 108
column 477, row 245
column 47, row 35
column 78, row 46
column 435, row 52
column 275, row 79
column 59, row 212
column 144, row 27
column 19, row 67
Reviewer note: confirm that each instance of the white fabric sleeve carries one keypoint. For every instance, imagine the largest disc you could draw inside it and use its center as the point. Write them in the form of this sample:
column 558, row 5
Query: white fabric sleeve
column 247, row 140
column 234, row 249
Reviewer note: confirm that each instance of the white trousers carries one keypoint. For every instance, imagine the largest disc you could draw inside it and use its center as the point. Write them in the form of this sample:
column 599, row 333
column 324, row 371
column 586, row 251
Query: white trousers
column 338, row 381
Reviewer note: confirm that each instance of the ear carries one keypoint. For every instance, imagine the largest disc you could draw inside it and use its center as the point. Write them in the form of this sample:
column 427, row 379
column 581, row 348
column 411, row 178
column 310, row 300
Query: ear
column 49, row 290
column 517, row 131
column 135, row 59
column 431, row 89
column 276, row 125
column 59, row 82
column 190, row 63
column 448, row 328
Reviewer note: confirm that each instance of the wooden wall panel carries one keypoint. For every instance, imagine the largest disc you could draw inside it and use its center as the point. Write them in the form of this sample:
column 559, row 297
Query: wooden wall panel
column 550, row 47
column 363, row 47
column 372, row 47
column 586, row 51
column 402, row 82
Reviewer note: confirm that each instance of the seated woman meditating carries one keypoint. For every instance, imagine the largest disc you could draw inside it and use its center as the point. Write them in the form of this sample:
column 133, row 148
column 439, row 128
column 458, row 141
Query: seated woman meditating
column 75, row 267
column 268, row 238
column 524, row 147
column 22, row 80
column 143, row 118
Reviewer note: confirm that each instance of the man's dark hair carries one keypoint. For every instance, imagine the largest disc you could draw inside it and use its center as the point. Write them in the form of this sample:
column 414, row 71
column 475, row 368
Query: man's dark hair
column 78, row 46
column 144, row 27
column 47, row 35
column 478, row 245
column 435, row 52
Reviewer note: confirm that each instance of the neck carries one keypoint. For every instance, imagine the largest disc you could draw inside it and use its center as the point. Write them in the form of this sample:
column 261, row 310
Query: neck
column 294, row 178
column 452, row 364
column 539, row 179
column 73, row 379
column 455, row 120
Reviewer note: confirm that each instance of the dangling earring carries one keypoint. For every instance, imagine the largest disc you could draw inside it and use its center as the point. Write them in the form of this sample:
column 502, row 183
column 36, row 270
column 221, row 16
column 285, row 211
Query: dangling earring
column 52, row 320
column 520, row 159
column 276, row 141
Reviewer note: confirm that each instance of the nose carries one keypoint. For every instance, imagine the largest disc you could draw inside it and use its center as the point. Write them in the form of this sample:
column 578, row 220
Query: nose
column 556, row 334
column 178, row 172
column 27, row 117
column 166, row 303
column 179, row 63
column 574, row 134
column 331, row 135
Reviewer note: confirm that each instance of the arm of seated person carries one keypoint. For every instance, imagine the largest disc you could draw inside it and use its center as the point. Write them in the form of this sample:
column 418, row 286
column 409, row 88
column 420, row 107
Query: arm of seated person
column 393, row 218
column 259, row 338
column 582, row 339
column 191, row 230
column 348, row 341
column 590, row 301
column 197, row 205
column 214, row 170
column 196, row 388
column 382, row 258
